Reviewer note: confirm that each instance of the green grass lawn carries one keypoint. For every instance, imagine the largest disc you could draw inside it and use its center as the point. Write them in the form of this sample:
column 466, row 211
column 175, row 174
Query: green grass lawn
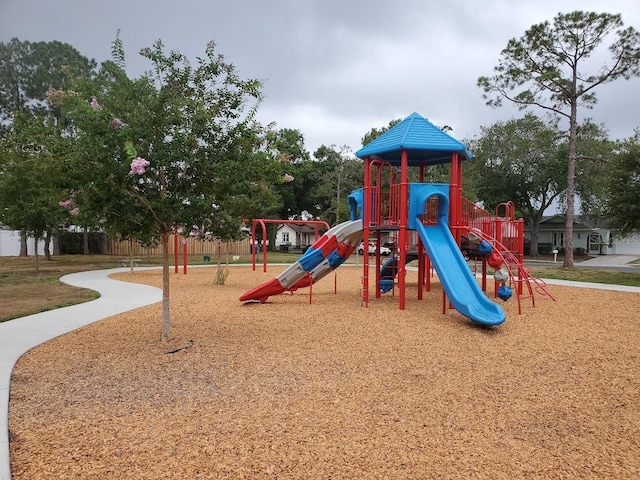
column 580, row 274
column 24, row 291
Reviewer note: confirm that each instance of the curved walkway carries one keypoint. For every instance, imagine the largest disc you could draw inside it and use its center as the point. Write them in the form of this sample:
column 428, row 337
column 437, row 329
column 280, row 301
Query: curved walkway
column 22, row 334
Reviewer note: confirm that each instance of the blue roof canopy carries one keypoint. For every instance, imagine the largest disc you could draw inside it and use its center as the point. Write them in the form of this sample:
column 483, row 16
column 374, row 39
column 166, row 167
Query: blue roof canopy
column 424, row 142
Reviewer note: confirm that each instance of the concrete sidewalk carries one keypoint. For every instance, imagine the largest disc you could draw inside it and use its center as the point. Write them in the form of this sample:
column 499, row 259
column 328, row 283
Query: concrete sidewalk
column 22, row 334
column 609, row 261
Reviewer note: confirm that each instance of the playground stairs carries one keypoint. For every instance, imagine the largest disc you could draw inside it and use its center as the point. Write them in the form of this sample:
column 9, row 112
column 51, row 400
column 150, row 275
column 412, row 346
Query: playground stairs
column 525, row 283
column 503, row 226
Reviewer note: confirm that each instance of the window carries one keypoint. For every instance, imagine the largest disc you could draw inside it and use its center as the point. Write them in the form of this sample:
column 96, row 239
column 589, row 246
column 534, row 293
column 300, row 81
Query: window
column 594, row 243
column 558, row 239
column 285, row 236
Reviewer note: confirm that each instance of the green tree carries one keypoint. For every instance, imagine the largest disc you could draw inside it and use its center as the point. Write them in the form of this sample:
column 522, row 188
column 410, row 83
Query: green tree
column 594, row 152
column 30, row 178
column 374, row 133
column 31, row 72
column 175, row 148
column 622, row 205
column 544, row 68
column 337, row 172
column 287, row 145
column 519, row 161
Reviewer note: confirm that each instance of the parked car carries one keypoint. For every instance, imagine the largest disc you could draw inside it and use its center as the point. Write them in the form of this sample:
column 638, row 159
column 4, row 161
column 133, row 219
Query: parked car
column 372, row 249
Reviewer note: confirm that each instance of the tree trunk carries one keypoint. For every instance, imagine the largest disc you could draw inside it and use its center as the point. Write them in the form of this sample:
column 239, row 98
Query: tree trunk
column 219, row 268
column 35, row 254
column 85, row 242
column 571, row 176
column 533, row 245
column 47, row 247
column 56, row 243
column 24, row 250
column 166, row 312
column 131, row 255
column 105, row 244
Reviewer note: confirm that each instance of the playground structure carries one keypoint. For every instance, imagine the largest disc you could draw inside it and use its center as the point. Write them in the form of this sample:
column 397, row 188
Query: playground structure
column 431, row 223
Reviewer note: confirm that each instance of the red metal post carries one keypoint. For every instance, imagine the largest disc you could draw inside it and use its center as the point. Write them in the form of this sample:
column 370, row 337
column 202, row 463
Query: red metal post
column 366, row 220
column 444, row 302
column 453, row 196
column 421, row 278
column 520, row 240
column 404, row 214
column 378, row 264
column 484, row 274
column 176, row 250
column 184, row 256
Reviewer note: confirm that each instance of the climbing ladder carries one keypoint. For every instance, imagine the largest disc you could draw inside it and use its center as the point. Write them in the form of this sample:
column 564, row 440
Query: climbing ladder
column 504, row 234
column 519, row 275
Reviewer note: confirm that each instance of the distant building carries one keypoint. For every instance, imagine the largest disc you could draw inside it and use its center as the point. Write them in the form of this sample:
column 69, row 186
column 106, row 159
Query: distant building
column 291, row 236
column 593, row 238
column 10, row 243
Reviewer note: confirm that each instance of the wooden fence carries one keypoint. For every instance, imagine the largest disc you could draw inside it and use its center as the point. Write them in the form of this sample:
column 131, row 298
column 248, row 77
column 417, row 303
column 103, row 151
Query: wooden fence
column 194, row 247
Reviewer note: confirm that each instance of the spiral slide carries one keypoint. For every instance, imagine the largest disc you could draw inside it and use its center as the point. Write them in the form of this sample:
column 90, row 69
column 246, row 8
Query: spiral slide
column 324, row 256
column 389, row 271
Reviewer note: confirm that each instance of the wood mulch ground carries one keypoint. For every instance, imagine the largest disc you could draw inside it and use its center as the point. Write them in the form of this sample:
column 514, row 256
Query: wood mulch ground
column 288, row 390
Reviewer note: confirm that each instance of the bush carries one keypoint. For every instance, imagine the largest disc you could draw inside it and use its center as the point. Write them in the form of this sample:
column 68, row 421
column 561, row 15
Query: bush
column 221, row 275
column 71, row 243
column 543, row 248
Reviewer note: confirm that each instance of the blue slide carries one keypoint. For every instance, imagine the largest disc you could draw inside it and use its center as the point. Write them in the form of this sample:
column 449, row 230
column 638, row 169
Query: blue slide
column 456, row 278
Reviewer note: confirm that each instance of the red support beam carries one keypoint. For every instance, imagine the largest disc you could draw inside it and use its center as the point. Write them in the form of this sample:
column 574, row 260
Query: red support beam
column 366, row 221
column 402, row 254
column 176, row 250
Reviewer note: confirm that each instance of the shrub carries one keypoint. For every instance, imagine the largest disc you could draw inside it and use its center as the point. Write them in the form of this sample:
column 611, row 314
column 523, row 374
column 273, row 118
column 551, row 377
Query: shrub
column 221, row 275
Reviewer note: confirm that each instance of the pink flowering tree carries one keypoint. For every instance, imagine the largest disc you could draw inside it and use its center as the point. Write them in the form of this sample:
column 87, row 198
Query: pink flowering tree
column 173, row 148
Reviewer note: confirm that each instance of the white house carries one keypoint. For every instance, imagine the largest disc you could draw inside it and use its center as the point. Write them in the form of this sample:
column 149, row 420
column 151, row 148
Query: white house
column 10, row 243
column 290, row 236
column 595, row 239
column 625, row 246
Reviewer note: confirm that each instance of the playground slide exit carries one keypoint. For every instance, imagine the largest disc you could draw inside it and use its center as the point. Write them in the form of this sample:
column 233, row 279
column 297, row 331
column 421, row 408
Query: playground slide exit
column 456, row 278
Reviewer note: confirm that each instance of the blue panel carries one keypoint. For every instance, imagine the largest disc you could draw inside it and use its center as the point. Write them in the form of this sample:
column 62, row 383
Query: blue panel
column 311, row 259
column 335, row 260
column 423, row 141
column 356, row 200
column 386, row 285
column 485, row 248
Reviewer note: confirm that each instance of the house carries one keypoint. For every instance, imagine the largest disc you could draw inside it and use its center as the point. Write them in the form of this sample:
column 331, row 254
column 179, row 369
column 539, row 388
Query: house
column 10, row 243
column 291, row 236
column 594, row 238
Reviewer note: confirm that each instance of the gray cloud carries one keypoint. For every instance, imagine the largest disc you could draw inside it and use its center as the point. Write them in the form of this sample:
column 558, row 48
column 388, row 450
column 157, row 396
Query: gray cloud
column 333, row 69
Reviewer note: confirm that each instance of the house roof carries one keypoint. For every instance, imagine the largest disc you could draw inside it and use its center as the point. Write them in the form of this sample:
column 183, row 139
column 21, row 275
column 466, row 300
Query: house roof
column 424, row 143
column 583, row 220
column 299, row 228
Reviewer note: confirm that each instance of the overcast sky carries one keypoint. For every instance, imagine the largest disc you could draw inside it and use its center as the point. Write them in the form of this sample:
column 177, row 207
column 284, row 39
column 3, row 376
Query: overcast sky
column 334, row 69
